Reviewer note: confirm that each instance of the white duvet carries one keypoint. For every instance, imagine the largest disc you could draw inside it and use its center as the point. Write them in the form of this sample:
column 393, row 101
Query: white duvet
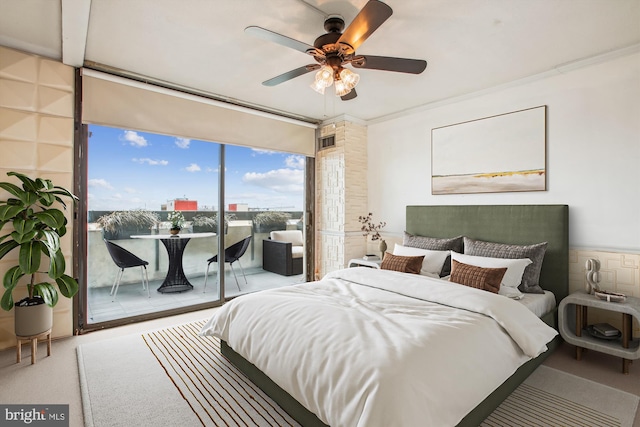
column 367, row 347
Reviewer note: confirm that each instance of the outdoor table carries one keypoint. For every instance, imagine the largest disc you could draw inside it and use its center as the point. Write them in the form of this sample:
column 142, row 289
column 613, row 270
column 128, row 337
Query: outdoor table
column 176, row 280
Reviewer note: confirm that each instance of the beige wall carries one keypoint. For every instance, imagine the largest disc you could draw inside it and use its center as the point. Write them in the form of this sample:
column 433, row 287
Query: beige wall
column 36, row 138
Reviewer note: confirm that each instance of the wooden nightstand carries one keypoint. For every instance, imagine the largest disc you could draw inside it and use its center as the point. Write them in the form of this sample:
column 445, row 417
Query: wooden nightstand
column 572, row 317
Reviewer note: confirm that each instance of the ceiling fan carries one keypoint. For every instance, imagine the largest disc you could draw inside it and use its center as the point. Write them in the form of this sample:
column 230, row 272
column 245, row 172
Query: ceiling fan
column 336, row 49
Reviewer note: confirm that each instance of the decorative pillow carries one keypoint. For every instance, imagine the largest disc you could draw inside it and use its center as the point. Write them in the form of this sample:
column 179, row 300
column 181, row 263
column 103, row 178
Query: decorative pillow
column 515, row 267
column 290, row 236
column 487, row 279
column 435, row 244
column 531, row 278
column 406, row 264
column 510, row 292
column 433, row 260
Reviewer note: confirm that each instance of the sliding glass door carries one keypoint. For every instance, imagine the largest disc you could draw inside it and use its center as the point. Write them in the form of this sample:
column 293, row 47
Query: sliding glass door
column 264, row 192
column 137, row 182
column 138, row 185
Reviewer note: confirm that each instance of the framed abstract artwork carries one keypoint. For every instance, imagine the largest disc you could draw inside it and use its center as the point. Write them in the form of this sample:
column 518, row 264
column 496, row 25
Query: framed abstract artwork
column 494, row 154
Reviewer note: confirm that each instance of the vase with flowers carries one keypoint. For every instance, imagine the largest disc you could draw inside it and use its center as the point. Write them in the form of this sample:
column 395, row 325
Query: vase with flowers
column 176, row 218
column 369, row 227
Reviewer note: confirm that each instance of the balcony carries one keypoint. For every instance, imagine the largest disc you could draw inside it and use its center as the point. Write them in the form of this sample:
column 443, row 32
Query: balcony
column 132, row 299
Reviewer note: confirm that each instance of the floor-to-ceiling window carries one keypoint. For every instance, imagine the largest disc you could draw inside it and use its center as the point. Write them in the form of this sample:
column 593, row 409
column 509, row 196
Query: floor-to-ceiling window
column 137, row 181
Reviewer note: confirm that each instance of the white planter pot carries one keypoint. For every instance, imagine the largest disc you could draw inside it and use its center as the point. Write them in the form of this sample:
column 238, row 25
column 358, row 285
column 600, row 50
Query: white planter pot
column 32, row 320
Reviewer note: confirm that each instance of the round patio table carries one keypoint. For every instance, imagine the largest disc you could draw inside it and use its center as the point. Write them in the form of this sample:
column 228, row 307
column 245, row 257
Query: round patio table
column 176, row 280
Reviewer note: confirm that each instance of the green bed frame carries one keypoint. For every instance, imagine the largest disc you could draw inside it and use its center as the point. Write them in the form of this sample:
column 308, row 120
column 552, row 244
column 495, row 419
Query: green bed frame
column 515, row 224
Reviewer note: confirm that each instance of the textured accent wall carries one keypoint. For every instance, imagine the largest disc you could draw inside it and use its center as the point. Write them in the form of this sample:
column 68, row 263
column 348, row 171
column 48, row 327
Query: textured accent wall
column 341, row 182
column 36, row 138
column 620, row 272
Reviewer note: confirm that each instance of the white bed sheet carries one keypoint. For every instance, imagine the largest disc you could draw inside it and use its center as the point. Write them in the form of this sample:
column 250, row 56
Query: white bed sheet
column 539, row 304
column 366, row 347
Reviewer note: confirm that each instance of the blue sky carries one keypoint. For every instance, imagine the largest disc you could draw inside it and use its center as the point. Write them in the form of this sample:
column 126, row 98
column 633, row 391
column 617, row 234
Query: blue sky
column 139, row 170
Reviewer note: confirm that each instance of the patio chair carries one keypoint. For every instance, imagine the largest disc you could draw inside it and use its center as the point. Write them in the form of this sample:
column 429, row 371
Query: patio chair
column 125, row 259
column 231, row 254
column 283, row 252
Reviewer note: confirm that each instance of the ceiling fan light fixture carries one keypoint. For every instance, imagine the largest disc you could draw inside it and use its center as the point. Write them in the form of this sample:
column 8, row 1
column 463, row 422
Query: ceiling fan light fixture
column 341, row 88
column 318, row 86
column 325, row 76
column 349, row 78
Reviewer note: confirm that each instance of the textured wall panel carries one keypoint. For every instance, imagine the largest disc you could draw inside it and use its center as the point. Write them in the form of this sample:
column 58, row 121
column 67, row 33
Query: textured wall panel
column 18, row 95
column 36, row 138
column 55, row 102
column 17, row 66
column 17, row 155
column 18, row 125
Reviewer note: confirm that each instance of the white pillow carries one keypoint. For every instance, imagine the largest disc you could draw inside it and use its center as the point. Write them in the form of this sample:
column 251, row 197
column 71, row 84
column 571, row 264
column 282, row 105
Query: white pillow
column 510, row 292
column 515, row 267
column 433, row 260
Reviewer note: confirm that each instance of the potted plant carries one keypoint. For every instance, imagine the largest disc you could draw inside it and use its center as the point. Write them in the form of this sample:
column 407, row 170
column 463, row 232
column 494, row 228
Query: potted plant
column 37, row 226
column 122, row 224
column 267, row 221
column 370, row 227
column 176, row 218
column 203, row 223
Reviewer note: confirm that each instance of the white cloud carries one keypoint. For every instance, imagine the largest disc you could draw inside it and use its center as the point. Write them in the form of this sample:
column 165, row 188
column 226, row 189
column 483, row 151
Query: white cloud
column 295, row 162
column 151, row 162
column 102, row 183
column 193, row 167
column 280, row 180
column 255, row 151
column 130, row 190
column 134, row 139
column 182, row 142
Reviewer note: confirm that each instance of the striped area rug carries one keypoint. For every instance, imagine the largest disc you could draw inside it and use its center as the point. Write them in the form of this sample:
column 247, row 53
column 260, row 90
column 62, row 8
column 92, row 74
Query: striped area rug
column 530, row 406
column 220, row 395
column 549, row 398
column 215, row 390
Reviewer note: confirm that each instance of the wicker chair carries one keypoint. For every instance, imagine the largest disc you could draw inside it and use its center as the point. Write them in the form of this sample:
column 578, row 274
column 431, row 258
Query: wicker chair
column 283, row 252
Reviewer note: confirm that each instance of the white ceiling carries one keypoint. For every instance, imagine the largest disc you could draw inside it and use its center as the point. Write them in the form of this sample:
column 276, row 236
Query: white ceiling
column 470, row 45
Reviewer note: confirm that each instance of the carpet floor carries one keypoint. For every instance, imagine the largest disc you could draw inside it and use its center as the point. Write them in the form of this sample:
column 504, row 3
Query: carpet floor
column 174, row 377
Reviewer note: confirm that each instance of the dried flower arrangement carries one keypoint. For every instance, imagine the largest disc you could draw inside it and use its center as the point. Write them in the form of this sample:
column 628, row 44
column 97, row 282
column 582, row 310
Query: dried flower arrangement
column 369, row 227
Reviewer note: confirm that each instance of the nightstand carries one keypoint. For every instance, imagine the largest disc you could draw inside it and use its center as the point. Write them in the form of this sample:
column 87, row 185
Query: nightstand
column 572, row 319
column 359, row 262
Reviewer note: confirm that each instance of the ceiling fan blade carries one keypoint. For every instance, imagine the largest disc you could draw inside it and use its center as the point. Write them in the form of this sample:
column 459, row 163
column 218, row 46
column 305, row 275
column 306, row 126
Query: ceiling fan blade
column 291, row 74
column 372, row 15
column 387, row 63
column 349, row 96
column 269, row 35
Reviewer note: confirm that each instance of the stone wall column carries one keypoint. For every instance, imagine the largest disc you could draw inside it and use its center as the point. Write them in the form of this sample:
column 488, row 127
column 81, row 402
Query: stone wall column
column 341, row 196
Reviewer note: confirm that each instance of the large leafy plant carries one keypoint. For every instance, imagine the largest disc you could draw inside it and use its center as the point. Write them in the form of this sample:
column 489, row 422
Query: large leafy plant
column 37, row 228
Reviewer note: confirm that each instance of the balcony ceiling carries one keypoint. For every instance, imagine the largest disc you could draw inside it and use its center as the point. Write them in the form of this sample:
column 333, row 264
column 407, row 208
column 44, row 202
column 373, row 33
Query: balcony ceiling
column 470, row 45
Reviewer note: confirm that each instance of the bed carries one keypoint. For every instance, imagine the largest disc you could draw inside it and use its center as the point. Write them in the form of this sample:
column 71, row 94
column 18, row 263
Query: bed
column 317, row 369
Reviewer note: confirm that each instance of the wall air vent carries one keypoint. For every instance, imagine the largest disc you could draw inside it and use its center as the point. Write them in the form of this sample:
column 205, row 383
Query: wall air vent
column 326, row 142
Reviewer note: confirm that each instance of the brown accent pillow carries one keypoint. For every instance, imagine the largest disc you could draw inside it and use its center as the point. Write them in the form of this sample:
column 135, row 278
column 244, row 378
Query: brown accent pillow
column 406, row 264
column 487, row 279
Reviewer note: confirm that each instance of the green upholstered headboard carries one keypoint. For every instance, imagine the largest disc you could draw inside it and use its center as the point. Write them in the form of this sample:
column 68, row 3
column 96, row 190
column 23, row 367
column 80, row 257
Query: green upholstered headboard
column 514, row 224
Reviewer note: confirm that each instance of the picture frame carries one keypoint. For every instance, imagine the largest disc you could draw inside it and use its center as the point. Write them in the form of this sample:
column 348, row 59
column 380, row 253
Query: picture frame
column 502, row 153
